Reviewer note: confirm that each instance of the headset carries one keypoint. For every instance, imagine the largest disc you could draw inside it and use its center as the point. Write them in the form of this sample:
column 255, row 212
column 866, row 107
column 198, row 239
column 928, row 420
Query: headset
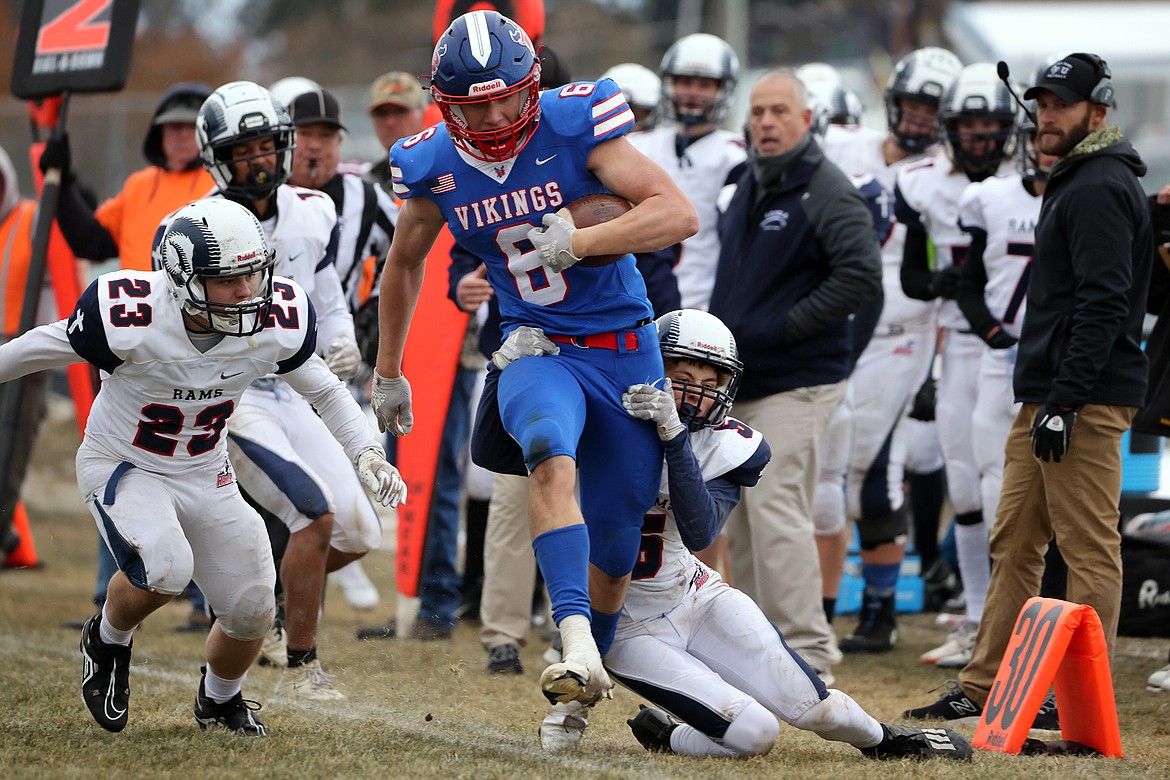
column 1102, row 92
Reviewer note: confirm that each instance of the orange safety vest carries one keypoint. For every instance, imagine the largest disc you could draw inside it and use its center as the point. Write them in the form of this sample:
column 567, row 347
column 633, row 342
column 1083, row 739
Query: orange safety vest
column 15, row 252
column 133, row 215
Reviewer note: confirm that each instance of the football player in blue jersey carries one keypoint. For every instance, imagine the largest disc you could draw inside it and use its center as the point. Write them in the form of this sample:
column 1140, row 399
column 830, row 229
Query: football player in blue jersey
column 505, row 159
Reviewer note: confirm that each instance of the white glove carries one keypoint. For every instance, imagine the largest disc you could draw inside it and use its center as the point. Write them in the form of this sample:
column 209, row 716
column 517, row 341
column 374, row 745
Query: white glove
column 382, row 479
column 524, row 342
column 646, row 402
column 555, row 242
column 343, row 358
column 391, row 401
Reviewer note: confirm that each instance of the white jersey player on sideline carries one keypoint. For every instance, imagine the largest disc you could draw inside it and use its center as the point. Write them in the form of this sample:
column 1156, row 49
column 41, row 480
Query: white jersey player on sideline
column 686, row 640
column 867, row 453
column 284, row 457
column 698, row 74
column 1000, row 214
column 977, row 117
column 178, row 347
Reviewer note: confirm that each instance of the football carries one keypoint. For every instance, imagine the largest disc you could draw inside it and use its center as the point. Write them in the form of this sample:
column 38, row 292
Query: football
column 590, row 210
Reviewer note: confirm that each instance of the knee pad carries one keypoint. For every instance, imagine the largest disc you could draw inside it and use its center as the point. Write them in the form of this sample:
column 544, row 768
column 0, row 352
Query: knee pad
column 876, row 531
column 753, row 732
column 543, row 438
column 828, row 509
column 169, row 574
column 969, row 518
column 250, row 611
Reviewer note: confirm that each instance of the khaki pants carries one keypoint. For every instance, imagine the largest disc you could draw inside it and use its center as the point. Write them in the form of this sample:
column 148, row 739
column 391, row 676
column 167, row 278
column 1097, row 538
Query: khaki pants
column 509, row 566
column 770, row 537
column 1076, row 501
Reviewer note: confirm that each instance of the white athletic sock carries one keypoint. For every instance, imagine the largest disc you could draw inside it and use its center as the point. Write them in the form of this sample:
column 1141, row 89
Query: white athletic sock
column 111, row 635
column 975, row 566
column 689, row 741
column 219, row 689
column 841, row 719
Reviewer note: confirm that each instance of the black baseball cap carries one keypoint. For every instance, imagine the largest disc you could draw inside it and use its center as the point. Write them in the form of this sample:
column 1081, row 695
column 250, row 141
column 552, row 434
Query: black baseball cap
column 315, row 107
column 1072, row 79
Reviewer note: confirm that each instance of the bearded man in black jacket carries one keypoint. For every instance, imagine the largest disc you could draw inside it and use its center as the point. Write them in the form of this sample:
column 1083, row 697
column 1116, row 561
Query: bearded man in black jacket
column 1080, row 374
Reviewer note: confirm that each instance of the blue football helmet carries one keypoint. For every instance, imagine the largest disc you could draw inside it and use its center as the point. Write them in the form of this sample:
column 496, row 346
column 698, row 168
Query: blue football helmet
column 217, row 238
column 482, row 57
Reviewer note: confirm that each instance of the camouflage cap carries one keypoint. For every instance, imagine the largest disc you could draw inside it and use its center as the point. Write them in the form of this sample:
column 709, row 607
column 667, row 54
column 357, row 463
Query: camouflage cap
column 398, row 88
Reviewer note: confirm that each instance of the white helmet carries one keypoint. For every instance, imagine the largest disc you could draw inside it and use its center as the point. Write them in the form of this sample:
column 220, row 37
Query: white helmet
column 978, row 92
column 640, row 85
column 237, row 112
column 691, row 334
column 217, row 238
column 702, row 55
column 844, row 106
column 923, row 75
column 818, row 76
column 289, row 87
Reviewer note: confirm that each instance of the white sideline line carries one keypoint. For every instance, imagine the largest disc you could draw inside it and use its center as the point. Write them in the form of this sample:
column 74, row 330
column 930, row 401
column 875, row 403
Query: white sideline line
column 485, row 737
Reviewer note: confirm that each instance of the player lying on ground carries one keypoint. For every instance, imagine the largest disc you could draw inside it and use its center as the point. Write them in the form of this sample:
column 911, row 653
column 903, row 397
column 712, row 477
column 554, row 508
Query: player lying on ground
column 687, row 641
column 178, row 347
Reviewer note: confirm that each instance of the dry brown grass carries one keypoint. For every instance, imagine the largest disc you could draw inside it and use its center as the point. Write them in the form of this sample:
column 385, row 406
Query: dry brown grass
column 414, row 709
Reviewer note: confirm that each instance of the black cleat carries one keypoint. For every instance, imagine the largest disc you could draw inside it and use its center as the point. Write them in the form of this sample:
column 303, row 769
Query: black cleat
column 652, row 728
column 877, row 631
column 237, row 714
column 952, row 705
column 1047, row 718
column 909, row 742
column 105, row 678
column 504, row 659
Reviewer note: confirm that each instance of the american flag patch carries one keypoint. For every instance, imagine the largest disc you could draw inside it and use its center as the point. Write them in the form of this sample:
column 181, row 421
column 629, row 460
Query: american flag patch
column 444, row 183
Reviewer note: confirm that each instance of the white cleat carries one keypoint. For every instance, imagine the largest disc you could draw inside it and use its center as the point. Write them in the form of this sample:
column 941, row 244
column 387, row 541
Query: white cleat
column 956, row 651
column 563, row 726
column 275, row 648
column 1159, row 681
column 356, row 585
column 308, row 682
column 579, row 675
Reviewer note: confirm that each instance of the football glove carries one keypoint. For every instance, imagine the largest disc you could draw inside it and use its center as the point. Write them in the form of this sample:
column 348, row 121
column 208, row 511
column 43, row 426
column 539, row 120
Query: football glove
column 1052, row 432
column 998, row 338
column 646, row 402
column 390, row 399
column 555, row 243
column 945, row 283
column 382, row 479
column 343, row 358
column 56, row 154
column 524, row 342
column 922, row 407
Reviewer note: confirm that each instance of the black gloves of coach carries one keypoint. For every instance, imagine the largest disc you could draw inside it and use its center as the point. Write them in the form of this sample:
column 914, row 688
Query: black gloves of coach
column 57, row 155
column 1051, row 432
column 998, row 338
column 922, row 408
column 945, row 283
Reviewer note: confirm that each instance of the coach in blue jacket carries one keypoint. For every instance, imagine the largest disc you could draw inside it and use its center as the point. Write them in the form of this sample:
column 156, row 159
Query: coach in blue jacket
column 799, row 256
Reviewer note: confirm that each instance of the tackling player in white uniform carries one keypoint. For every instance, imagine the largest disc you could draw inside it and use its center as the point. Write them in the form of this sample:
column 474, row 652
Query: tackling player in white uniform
column 178, row 348
column 698, row 78
column 870, row 455
column 686, row 640
column 285, row 458
column 1000, row 214
column 978, row 116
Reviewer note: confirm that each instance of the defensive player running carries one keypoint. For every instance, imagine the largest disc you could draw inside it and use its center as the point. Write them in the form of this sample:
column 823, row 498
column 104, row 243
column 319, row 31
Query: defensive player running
column 687, row 641
column 286, row 460
column 503, row 161
column 179, row 347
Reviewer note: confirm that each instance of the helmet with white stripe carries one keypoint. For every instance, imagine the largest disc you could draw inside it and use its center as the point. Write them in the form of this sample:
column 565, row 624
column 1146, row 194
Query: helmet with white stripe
column 705, row 56
column 483, row 57
column 700, row 337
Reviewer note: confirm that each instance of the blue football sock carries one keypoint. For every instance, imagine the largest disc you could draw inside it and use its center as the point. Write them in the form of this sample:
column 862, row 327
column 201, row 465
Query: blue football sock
column 563, row 557
column 604, row 627
column 881, row 579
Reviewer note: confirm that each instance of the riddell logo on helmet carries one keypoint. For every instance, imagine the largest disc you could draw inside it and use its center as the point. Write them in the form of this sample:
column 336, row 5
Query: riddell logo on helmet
column 708, row 347
column 494, row 85
column 247, row 255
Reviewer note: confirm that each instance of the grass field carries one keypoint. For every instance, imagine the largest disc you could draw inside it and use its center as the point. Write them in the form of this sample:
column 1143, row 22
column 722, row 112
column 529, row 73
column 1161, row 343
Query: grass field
column 416, row 709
